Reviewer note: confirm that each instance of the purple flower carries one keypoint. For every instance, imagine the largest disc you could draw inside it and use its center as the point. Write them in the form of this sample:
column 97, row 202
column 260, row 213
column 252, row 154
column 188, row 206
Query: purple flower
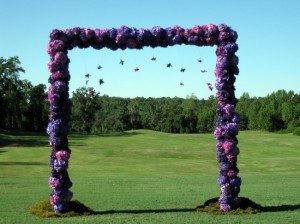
column 89, row 34
column 113, row 33
column 222, row 179
column 225, row 199
column 60, row 86
column 218, row 132
column 219, row 146
column 59, row 76
column 224, row 167
column 131, row 43
column 221, row 121
column 60, row 165
column 225, row 207
column 53, row 66
column 223, row 27
column 171, row 32
column 158, row 32
column 221, row 157
column 219, row 72
column 222, row 96
column 54, row 99
column 225, row 189
column 220, row 84
column 212, row 31
column 231, row 129
column 236, row 118
column 222, row 61
column 211, row 41
column 61, row 57
column 234, row 61
column 198, row 30
column 229, row 108
column 55, row 46
column 58, row 35
column 100, row 35
column 236, row 181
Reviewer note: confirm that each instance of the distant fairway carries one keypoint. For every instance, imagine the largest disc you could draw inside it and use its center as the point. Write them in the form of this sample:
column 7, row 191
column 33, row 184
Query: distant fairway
column 144, row 176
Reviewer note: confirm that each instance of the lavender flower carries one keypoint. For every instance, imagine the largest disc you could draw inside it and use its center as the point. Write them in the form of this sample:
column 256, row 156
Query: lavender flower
column 60, row 165
column 222, row 179
column 225, row 207
column 218, row 132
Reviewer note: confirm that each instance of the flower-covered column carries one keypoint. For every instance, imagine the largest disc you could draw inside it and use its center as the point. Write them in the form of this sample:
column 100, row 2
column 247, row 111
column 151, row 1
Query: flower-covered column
column 228, row 119
column 58, row 126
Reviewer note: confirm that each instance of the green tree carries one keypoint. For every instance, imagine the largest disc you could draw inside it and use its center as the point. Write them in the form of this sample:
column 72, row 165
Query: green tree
column 190, row 110
column 242, row 108
column 85, row 103
column 207, row 116
column 10, row 93
column 37, row 110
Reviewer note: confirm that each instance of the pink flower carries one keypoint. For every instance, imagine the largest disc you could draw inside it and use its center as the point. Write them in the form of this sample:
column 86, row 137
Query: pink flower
column 53, row 182
column 231, row 173
column 62, row 155
column 55, row 199
column 228, row 145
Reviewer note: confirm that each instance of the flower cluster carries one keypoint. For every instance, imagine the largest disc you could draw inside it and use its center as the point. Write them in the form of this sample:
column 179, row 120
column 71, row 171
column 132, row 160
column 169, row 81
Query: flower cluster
column 61, row 41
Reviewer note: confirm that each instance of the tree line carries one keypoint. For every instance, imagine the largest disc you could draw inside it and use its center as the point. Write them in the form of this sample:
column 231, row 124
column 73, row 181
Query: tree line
column 279, row 111
column 25, row 107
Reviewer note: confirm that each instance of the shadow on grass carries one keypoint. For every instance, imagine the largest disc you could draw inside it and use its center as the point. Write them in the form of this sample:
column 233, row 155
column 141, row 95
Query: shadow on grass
column 281, row 208
column 45, row 209
column 23, row 163
column 121, row 134
column 21, row 138
column 144, row 211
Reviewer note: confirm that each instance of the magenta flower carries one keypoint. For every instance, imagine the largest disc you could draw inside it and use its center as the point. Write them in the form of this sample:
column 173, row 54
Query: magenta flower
column 60, row 57
column 53, row 182
column 62, row 155
column 55, row 46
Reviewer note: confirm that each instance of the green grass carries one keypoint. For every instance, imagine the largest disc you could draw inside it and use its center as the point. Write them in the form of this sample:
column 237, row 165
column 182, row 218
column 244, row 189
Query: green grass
column 150, row 177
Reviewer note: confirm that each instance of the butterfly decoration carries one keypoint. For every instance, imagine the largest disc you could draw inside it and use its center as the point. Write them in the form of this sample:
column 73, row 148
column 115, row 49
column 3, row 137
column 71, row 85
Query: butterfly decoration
column 86, row 82
column 203, row 70
column 181, row 83
column 153, row 59
column 209, row 86
column 182, row 70
column 101, row 81
column 87, row 75
column 136, row 69
column 121, row 62
column 99, row 67
column 199, row 60
column 169, row 65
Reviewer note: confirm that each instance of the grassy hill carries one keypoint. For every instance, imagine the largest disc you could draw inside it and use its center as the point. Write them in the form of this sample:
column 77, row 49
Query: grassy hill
column 143, row 176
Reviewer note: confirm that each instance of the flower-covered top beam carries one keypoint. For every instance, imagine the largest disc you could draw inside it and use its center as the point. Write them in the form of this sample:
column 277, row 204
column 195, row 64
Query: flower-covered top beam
column 61, row 41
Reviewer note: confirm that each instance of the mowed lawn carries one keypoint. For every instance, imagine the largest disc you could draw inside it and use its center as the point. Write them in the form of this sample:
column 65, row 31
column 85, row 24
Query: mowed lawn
column 143, row 176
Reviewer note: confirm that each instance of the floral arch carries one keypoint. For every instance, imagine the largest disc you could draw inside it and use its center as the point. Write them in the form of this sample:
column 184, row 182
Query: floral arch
column 61, row 41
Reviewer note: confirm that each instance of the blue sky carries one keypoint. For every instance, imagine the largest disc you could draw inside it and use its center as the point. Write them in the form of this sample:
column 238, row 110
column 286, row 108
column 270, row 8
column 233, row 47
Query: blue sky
column 268, row 44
